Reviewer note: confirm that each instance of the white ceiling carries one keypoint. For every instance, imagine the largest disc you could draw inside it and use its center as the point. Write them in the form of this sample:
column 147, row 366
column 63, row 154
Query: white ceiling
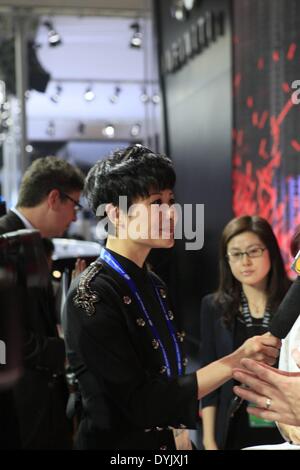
column 95, row 51
column 101, row 7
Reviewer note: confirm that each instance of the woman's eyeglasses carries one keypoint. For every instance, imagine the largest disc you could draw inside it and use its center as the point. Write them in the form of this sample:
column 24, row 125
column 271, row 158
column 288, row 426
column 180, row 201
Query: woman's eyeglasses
column 252, row 253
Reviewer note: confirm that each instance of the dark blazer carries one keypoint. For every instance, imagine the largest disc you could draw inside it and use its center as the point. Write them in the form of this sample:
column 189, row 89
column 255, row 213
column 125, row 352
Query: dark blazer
column 216, row 342
column 129, row 401
column 10, row 222
column 40, row 395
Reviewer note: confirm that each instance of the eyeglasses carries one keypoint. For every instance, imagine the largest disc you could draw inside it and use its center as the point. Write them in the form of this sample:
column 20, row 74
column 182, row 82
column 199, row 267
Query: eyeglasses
column 77, row 205
column 252, row 253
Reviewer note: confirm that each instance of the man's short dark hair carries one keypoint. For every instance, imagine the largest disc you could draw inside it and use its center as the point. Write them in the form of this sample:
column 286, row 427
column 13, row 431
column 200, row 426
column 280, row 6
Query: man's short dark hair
column 132, row 172
column 46, row 174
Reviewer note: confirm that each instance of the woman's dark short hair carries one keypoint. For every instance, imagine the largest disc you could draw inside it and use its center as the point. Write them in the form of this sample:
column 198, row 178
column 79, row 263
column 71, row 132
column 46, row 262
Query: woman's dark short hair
column 228, row 293
column 46, row 174
column 132, row 172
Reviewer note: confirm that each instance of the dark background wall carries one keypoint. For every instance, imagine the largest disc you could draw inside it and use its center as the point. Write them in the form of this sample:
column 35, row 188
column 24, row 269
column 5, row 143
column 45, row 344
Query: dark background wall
column 198, row 108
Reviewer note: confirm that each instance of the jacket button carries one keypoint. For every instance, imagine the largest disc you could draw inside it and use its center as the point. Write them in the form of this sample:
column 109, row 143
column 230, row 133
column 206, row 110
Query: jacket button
column 155, row 344
column 163, row 369
column 127, row 300
column 140, row 322
column 180, row 336
column 163, row 293
column 163, row 448
column 185, row 361
column 170, row 313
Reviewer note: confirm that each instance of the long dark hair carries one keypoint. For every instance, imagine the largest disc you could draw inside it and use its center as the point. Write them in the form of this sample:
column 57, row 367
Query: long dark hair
column 228, row 293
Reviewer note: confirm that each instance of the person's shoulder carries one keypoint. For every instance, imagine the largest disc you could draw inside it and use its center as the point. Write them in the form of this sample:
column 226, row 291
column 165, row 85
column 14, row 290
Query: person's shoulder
column 10, row 222
column 211, row 305
column 209, row 300
column 92, row 287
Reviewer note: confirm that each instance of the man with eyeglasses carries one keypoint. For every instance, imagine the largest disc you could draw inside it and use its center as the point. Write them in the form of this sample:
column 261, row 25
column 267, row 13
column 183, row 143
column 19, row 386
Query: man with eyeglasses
column 48, row 198
column 77, row 205
column 48, row 201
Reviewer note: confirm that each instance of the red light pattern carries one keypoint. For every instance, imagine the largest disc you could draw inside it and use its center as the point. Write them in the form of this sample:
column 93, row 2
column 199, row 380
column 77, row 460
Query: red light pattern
column 237, row 80
column 260, row 63
column 266, row 134
column 286, row 87
column 291, row 51
column 250, row 102
column 262, row 149
column 296, row 145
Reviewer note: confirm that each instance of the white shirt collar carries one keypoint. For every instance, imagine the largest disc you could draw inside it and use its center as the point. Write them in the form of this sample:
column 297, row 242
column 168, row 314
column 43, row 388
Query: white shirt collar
column 24, row 220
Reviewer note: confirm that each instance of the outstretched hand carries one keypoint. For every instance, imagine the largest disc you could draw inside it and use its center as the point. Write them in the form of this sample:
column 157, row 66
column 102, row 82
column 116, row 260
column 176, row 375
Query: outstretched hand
column 264, row 348
column 275, row 393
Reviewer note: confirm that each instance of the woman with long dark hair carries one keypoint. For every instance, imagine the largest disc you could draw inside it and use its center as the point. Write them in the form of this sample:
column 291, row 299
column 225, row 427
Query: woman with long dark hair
column 252, row 282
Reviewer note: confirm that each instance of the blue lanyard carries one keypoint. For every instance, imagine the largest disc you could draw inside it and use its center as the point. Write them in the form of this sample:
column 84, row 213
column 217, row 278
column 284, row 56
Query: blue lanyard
column 113, row 263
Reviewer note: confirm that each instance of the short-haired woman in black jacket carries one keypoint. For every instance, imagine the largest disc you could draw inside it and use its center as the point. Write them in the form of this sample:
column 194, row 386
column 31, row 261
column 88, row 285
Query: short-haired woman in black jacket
column 121, row 334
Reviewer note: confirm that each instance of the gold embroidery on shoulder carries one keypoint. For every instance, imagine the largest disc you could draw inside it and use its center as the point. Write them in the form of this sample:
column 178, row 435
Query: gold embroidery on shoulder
column 86, row 298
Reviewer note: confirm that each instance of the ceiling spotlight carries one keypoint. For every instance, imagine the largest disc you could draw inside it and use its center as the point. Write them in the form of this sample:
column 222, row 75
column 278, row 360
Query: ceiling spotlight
column 135, row 130
column 56, row 96
column 89, row 95
column 115, row 97
column 109, row 131
column 54, row 38
column 155, row 98
column 144, row 97
column 178, row 11
column 50, row 131
column 137, row 37
column 29, row 148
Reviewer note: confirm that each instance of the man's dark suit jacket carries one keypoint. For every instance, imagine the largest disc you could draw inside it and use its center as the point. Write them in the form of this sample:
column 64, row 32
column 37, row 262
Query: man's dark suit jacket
column 40, row 395
column 216, row 342
column 10, row 222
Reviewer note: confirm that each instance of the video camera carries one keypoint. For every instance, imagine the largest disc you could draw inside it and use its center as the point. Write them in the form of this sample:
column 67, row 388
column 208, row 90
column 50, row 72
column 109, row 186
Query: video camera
column 23, row 266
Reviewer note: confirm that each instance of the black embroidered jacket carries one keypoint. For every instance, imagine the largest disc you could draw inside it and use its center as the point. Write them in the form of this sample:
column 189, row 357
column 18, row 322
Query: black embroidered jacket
column 129, row 401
